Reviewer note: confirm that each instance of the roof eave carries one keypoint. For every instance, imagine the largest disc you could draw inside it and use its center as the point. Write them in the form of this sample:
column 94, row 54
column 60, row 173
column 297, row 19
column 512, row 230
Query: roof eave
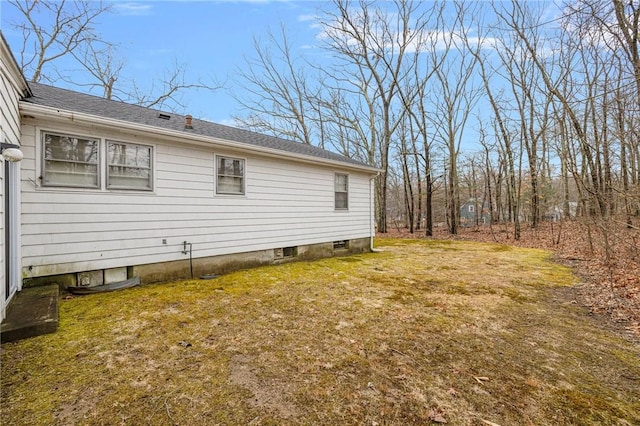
column 41, row 111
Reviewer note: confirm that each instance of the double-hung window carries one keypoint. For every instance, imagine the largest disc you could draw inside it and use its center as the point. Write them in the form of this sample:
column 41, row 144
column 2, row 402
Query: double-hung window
column 229, row 175
column 70, row 161
column 341, row 188
column 80, row 162
column 129, row 166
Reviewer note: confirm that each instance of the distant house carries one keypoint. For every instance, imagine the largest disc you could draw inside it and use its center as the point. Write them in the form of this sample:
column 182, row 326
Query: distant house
column 474, row 212
column 557, row 213
column 109, row 190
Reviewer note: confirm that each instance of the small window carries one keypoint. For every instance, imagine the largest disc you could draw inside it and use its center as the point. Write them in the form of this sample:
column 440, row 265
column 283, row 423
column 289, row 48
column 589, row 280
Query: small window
column 341, row 245
column 472, row 208
column 129, row 166
column 341, row 191
column 289, row 252
column 70, row 161
column 230, row 176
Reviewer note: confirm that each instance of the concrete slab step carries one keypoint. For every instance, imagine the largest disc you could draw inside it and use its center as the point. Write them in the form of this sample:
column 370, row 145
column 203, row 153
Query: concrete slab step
column 32, row 312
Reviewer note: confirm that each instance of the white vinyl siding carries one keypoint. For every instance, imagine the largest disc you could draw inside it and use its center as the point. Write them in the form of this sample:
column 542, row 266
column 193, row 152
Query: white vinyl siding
column 230, row 175
column 130, row 166
column 286, row 204
column 70, row 160
column 11, row 86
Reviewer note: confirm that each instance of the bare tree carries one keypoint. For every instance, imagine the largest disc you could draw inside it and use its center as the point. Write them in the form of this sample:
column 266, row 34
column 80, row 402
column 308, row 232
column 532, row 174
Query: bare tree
column 100, row 61
column 279, row 91
column 453, row 96
column 71, row 32
column 72, row 28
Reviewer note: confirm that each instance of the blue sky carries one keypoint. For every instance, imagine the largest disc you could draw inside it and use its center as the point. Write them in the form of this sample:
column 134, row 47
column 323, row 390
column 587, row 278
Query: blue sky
column 210, row 37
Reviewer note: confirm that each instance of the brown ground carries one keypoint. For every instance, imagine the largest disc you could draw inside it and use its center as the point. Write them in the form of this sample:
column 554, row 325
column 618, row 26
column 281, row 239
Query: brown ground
column 420, row 332
column 610, row 284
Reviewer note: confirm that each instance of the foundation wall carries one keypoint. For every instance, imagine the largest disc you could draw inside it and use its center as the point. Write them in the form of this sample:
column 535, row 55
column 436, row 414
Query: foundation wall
column 213, row 265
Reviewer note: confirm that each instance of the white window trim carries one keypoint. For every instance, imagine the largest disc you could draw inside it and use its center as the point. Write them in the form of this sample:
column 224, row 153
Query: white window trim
column 102, row 164
column 129, row 188
column 216, row 175
column 335, row 177
column 41, row 152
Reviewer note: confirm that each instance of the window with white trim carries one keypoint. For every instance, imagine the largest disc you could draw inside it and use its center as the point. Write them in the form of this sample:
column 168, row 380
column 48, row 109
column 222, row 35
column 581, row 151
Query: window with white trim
column 70, row 160
column 129, row 166
column 341, row 189
column 229, row 175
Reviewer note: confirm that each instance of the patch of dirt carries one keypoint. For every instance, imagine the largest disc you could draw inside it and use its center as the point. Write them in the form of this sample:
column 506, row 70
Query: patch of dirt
column 68, row 414
column 267, row 394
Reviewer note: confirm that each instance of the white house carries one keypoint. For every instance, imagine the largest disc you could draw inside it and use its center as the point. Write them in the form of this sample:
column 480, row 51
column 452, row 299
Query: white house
column 12, row 88
column 110, row 190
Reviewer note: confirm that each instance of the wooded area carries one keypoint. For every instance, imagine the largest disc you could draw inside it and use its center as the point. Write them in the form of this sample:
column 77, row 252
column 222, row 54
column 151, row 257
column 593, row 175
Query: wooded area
column 553, row 101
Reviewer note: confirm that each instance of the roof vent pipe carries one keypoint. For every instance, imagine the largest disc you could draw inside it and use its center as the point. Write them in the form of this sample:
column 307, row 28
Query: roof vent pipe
column 187, row 122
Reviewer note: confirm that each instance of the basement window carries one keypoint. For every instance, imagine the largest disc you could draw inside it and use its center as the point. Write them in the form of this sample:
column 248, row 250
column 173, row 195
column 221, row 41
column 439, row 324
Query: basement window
column 285, row 252
column 341, row 245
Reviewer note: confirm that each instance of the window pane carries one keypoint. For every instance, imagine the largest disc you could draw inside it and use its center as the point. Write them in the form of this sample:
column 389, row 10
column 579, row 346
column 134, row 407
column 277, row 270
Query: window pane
column 341, row 183
column 70, row 161
column 129, row 166
column 230, row 176
column 341, row 200
column 341, row 191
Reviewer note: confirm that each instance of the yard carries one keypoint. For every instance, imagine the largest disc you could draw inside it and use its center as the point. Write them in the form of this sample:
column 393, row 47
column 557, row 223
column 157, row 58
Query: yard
column 421, row 332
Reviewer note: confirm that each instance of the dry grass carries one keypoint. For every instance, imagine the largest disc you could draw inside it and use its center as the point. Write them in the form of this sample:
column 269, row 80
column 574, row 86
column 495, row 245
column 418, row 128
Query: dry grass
column 425, row 331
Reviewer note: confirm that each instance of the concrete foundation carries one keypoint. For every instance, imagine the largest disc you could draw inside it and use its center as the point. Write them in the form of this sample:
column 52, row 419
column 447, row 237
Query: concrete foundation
column 182, row 269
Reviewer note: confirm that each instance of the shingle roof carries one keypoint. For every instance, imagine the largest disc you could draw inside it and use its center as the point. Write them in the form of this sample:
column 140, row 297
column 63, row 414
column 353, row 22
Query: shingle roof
column 69, row 100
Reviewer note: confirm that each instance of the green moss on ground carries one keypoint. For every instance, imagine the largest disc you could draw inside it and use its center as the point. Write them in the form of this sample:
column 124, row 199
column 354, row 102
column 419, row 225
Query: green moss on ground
column 466, row 331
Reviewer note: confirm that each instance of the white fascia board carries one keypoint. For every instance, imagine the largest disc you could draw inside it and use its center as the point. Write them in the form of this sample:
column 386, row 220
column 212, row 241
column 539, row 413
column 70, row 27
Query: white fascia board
column 39, row 111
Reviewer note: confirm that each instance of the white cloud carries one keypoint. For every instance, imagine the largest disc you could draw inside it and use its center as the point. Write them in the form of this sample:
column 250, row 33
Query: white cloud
column 135, row 9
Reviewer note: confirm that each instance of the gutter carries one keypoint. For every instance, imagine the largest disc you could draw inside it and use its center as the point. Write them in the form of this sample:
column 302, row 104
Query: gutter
column 40, row 111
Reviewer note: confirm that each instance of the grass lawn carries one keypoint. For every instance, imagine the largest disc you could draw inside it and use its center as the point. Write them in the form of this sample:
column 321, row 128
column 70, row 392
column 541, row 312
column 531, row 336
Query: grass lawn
column 421, row 332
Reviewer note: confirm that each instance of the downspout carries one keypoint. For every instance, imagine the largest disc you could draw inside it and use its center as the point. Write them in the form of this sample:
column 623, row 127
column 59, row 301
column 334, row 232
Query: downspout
column 372, row 230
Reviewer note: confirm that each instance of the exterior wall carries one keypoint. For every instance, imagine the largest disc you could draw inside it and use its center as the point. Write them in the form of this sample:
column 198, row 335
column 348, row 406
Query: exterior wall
column 11, row 86
column 286, row 203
